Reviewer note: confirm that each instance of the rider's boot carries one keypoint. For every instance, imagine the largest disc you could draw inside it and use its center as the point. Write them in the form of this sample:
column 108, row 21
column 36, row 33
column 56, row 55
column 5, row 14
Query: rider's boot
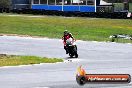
column 66, row 49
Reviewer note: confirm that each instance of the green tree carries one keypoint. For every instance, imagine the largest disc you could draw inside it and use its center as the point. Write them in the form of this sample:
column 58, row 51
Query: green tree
column 118, row 1
column 5, row 3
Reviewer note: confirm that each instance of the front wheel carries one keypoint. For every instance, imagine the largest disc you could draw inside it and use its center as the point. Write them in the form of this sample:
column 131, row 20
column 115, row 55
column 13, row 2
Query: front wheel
column 71, row 56
column 75, row 52
column 76, row 55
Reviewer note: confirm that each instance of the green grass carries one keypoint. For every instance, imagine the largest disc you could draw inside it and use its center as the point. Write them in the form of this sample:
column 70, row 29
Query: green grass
column 53, row 27
column 11, row 60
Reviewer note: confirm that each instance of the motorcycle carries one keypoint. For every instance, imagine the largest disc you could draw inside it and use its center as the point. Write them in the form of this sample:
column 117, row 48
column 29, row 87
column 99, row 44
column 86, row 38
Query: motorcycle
column 71, row 47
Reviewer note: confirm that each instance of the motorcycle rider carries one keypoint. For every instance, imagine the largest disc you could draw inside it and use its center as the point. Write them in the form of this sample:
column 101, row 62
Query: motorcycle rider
column 66, row 36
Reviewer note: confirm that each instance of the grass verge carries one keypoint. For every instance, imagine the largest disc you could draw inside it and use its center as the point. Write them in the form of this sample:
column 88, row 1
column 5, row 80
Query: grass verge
column 12, row 60
column 95, row 29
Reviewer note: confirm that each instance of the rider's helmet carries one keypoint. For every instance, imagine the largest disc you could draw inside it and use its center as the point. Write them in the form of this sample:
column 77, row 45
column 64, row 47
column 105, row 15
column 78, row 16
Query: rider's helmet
column 66, row 32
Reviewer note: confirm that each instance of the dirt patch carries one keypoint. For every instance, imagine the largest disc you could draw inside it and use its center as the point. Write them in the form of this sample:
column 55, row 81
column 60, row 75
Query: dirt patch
column 3, row 56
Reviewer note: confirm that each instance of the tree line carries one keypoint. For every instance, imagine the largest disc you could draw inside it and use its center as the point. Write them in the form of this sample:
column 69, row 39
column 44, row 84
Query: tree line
column 5, row 3
column 118, row 1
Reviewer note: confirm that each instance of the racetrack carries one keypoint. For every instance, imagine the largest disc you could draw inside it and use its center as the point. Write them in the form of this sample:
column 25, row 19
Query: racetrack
column 96, row 57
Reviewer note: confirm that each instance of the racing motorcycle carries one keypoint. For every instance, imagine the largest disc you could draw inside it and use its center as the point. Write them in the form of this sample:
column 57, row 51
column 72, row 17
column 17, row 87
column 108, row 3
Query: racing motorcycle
column 71, row 47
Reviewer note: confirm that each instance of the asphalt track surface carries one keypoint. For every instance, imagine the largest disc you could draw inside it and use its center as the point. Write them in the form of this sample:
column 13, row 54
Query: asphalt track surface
column 95, row 57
